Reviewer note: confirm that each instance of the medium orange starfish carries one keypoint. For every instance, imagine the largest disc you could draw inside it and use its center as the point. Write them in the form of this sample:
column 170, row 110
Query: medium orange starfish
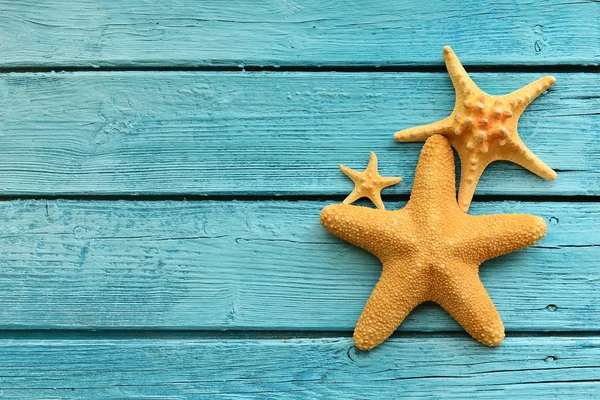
column 368, row 183
column 431, row 251
column 483, row 128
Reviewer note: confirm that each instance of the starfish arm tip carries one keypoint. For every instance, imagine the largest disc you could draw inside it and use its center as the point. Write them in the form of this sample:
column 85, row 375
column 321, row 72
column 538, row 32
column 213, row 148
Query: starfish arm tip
column 464, row 206
column 526, row 159
column 466, row 190
column 387, row 182
column 546, row 82
column 402, row 136
column 349, row 172
column 362, row 344
column 361, row 226
column 533, row 231
column 510, row 232
column 372, row 161
column 494, row 341
column 541, row 227
column 536, row 231
column 419, row 133
column 524, row 96
column 329, row 213
column 539, row 168
column 465, row 196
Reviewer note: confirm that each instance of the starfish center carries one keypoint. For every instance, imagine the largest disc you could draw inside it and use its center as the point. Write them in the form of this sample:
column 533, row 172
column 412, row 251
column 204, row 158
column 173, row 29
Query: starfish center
column 481, row 121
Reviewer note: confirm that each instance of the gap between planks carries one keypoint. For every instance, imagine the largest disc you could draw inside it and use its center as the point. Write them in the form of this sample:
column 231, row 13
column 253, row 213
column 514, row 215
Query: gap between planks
column 295, row 197
column 492, row 68
column 253, row 334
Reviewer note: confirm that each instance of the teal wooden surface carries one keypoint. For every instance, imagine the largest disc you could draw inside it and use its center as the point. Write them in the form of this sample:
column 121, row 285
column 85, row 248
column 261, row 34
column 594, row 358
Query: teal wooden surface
column 232, row 134
column 310, row 33
column 244, row 295
column 187, row 368
column 259, row 265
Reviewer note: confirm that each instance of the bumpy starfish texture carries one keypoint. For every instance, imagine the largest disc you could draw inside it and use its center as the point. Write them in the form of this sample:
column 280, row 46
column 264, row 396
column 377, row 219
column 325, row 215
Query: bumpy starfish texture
column 431, row 251
column 368, row 183
column 483, row 128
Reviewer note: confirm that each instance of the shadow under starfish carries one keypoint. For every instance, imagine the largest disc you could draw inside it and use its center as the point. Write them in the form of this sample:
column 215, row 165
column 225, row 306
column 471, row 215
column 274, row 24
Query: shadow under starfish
column 483, row 128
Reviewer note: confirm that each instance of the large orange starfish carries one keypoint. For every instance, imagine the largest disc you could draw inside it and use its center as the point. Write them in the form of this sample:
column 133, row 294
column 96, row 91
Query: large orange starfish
column 431, row 251
column 483, row 128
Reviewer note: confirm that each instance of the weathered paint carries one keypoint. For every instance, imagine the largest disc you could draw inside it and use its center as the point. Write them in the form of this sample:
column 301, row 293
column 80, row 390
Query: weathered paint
column 265, row 270
column 191, row 33
column 191, row 368
column 213, row 265
column 237, row 134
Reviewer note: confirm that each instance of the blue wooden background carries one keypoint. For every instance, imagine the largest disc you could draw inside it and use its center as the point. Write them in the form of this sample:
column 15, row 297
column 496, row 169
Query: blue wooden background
column 163, row 165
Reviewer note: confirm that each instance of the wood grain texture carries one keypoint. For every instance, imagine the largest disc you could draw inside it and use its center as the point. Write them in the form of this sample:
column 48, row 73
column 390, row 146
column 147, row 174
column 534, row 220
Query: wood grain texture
column 192, row 33
column 416, row 368
column 207, row 299
column 228, row 133
column 258, row 265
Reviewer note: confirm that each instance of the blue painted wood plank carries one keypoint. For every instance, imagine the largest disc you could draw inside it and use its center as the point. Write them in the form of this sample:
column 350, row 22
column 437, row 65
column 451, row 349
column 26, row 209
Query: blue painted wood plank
column 234, row 134
column 190, row 33
column 232, row 265
column 419, row 367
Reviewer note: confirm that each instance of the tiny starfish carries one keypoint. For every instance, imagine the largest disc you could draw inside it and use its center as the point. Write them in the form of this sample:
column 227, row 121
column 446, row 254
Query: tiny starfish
column 483, row 128
column 431, row 251
column 368, row 183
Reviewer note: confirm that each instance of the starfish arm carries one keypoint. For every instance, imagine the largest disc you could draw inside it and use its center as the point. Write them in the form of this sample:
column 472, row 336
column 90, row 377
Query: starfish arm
column 489, row 236
column 525, row 158
column 460, row 79
column 435, row 176
column 393, row 298
column 376, row 199
column 372, row 161
column 470, row 173
column 387, row 182
column 364, row 227
column 423, row 132
column 521, row 98
column 350, row 173
column 352, row 197
column 463, row 296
